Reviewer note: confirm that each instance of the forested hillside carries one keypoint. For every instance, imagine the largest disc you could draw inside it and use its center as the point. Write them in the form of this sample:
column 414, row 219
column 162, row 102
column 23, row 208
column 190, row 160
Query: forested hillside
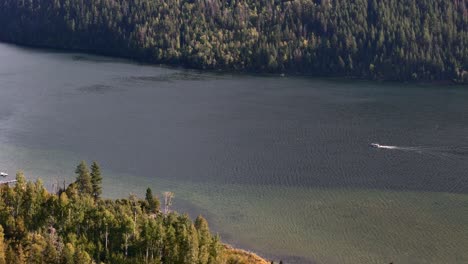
column 381, row 39
column 77, row 226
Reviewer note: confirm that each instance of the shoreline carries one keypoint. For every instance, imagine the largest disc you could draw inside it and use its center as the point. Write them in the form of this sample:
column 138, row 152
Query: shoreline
column 247, row 255
column 145, row 62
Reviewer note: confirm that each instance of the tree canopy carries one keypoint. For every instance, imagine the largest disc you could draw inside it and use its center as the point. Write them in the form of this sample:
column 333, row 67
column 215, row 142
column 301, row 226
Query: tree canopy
column 77, row 227
column 382, row 39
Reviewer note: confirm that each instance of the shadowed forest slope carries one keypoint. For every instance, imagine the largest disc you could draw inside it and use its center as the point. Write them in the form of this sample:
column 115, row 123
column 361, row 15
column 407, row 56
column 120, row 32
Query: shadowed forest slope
column 379, row 39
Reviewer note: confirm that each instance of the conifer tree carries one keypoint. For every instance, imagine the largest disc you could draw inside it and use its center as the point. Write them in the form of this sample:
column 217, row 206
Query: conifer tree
column 192, row 254
column 153, row 203
column 204, row 240
column 96, row 180
column 83, row 179
column 215, row 251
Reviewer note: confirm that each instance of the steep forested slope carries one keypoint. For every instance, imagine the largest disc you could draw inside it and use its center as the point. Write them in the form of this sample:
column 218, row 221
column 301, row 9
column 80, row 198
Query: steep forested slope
column 385, row 39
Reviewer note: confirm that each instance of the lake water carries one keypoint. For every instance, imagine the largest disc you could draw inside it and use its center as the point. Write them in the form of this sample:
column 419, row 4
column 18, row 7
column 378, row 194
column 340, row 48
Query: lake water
column 279, row 165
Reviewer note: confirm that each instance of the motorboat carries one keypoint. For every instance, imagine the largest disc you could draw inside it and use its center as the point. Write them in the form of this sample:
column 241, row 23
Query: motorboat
column 377, row 145
column 3, row 174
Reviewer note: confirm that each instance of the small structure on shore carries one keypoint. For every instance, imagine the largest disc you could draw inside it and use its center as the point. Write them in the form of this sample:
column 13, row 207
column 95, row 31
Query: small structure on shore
column 7, row 182
column 4, row 174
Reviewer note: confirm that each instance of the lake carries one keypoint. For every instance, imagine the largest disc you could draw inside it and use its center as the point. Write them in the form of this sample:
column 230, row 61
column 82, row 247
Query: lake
column 282, row 166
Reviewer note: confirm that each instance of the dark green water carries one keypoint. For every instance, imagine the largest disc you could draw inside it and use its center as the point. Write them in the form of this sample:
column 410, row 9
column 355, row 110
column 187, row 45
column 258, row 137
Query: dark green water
column 280, row 166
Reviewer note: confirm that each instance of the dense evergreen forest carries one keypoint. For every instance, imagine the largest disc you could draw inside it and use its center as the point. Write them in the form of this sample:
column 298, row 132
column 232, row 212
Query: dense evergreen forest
column 76, row 226
column 380, row 39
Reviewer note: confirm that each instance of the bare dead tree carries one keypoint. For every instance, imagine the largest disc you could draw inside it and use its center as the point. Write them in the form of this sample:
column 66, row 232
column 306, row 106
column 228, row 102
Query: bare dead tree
column 134, row 200
column 167, row 201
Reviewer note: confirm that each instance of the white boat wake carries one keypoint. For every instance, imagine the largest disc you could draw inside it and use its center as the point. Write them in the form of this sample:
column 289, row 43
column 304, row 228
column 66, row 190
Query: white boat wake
column 377, row 145
column 457, row 153
column 448, row 152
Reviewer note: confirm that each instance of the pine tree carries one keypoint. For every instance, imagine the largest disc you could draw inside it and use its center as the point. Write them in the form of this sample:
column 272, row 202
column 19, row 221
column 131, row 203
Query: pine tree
column 192, row 254
column 216, row 250
column 83, row 179
column 96, row 180
column 153, row 203
column 204, row 240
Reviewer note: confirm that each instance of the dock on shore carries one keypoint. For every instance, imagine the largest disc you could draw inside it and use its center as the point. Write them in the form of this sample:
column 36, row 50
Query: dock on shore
column 7, row 182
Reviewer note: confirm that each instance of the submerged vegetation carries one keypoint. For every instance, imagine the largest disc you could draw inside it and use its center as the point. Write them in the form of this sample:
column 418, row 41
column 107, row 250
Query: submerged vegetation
column 381, row 39
column 75, row 225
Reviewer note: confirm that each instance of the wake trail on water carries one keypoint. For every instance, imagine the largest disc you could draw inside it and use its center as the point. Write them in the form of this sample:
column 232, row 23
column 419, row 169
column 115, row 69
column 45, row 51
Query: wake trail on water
column 445, row 153
column 442, row 152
